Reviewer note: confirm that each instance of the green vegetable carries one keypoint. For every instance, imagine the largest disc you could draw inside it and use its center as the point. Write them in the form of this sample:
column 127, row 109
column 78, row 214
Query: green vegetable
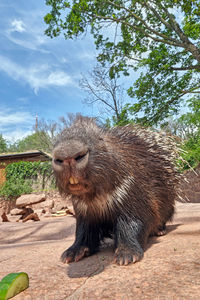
column 13, row 284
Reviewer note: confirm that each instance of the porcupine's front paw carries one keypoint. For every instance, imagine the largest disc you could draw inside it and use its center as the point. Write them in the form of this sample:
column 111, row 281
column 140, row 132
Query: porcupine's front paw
column 125, row 255
column 75, row 253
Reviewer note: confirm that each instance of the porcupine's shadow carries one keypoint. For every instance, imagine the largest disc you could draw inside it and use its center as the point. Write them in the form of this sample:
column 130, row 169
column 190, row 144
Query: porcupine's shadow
column 95, row 264
column 172, row 227
column 155, row 239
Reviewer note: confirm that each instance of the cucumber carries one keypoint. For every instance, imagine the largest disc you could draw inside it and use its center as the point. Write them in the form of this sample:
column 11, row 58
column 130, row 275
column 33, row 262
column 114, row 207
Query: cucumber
column 12, row 284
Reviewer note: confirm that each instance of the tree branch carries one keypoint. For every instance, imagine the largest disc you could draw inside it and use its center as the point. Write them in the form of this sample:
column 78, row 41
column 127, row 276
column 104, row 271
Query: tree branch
column 195, row 67
column 137, row 28
column 188, row 44
column 158, row 15
column 100, row 99
column 157, row 33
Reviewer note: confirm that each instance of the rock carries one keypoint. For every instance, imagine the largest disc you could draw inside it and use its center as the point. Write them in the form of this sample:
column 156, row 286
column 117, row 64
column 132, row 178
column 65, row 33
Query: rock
column 32, row 216
column 70, row 210
column 17, row 211
column 62, row 204
column 29, row 199
column 6, row 206
column 4, row 217
column 47, row 205
column 59, row 206
column 13, row 218
column 61, row 213
column 27, row 212
column 40, row 212
column 47, row 215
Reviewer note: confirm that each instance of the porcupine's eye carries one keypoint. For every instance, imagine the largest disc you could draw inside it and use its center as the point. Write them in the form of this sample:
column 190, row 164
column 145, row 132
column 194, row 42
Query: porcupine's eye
column 80, row 157
column 58, row 161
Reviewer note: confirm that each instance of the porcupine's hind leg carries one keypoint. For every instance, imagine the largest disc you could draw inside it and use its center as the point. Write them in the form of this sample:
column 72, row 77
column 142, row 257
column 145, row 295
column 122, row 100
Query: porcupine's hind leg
column 161, row 230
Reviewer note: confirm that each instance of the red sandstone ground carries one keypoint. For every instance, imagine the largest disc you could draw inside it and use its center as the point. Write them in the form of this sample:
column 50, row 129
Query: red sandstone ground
column 170, row 268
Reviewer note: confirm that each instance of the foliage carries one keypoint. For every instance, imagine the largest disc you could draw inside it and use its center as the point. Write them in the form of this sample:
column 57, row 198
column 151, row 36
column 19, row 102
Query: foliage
column 3, row 145
column 159, row 39
column 38, row 140
column 20, row 177
column 191, row 154
column 14, row 189
column 26, row 170
column 191, row 145
column 187, row 127
column 124, row 117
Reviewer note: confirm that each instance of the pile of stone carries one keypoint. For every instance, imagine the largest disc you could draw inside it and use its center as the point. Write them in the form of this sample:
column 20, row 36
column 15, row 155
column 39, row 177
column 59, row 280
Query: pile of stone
column 35, row 206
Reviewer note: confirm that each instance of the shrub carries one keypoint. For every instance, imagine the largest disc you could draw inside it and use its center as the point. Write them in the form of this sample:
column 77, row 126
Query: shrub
column 22, row 177
column 191, row 152
column 13, row 189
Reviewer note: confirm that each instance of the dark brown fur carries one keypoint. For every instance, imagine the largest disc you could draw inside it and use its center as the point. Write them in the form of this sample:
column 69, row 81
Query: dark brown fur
column 122, row 182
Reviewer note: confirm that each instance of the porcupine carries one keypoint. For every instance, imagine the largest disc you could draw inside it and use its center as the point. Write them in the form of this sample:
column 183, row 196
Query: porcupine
column 122, row 182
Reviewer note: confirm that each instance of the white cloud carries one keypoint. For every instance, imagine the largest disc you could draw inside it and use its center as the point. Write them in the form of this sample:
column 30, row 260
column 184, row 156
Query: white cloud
column 8, row 118
column 30, row 43
column 29, row 38
column 16, row 135
column 37, row 76
column 17, row 25
column 15, row 125
column 27, row 30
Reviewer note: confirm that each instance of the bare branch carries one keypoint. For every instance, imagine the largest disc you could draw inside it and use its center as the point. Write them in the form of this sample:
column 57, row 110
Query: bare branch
column 103, row 90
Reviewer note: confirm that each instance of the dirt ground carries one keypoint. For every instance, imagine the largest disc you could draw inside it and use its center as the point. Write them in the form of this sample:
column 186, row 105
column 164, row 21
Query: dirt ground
column 170, row 268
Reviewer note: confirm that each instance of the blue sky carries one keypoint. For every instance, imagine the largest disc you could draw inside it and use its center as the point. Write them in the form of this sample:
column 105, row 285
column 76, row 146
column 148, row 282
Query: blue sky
column 38, row 75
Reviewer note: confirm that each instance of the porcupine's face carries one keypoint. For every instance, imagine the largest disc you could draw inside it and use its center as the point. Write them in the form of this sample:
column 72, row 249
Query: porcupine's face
column 70, row 160
column 78, row 160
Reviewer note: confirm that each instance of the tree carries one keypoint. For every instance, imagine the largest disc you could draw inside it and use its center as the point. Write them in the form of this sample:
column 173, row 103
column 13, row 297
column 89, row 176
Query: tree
column 44, row 135
column 3, row 144
column 102, row 89
column 156, row 37
column 187, row 127
column 36, row 141
column 48, row 131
